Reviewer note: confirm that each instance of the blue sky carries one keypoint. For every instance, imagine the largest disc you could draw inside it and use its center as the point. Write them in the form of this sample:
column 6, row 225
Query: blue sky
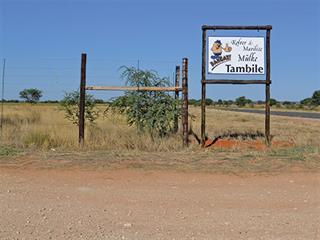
column 42, row 42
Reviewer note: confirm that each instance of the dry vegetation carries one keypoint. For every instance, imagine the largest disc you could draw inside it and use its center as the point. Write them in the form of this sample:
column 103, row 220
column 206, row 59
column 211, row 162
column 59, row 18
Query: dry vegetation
column 298, row 132
column 43, row 127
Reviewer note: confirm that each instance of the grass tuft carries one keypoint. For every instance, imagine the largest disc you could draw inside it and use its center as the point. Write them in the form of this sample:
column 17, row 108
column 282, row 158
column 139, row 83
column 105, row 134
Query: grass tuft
column 15, row 119
column 8, row 151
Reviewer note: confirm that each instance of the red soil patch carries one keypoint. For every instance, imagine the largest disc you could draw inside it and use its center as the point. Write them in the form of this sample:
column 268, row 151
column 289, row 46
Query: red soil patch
column 245, row 144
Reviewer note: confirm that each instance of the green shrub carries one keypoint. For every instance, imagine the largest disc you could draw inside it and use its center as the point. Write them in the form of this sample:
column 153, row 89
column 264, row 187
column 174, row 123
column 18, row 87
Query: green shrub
column 70, row 106
column 150, row 111
column 8, row 151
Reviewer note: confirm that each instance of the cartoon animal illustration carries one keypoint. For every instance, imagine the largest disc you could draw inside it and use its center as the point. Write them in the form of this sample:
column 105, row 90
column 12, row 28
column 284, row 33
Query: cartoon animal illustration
column 217, row 49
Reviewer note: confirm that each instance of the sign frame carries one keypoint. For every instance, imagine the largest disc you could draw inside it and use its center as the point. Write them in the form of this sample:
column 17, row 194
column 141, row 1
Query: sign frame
column 205, row 81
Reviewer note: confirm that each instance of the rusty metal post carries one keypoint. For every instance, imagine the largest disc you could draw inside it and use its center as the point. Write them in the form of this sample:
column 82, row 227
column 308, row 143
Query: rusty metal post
column 185, row 131
column 176, row 97
column 82, row 98
column 203, row 90
column 268, row 82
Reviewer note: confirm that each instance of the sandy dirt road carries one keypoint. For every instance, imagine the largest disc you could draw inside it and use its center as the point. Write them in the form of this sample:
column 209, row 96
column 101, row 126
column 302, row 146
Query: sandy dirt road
column 136, row 204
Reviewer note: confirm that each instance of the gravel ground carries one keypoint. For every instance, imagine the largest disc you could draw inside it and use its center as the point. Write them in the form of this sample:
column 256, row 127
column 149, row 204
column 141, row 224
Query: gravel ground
column 136, row 204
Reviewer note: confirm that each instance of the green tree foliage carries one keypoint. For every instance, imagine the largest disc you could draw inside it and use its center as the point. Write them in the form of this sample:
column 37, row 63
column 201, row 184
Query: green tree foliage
column 316, row 98
column 70, row 105
column 228, row 103
column 220, row 102
column 99, row 101
column 242, row 101
column 306, row 101
column 194, row 102
column 31, row 95
column 209, row 101
column 312, row 101
column 150, row 111
column 273, row 102
column 288, row 103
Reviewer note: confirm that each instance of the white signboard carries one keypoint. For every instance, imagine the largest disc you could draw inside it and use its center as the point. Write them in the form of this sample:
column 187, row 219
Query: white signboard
column 236, row 55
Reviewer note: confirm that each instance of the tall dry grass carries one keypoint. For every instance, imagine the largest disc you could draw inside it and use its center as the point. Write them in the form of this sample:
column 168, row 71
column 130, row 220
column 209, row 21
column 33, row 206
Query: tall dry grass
column 298, row 131
column 43, row 126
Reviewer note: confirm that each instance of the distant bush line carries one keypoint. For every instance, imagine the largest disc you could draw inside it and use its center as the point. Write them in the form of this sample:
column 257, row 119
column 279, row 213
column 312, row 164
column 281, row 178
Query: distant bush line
column 310, row 103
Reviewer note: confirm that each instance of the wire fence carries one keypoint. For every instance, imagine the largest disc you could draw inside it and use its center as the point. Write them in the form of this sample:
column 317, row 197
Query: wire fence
column 55, row 76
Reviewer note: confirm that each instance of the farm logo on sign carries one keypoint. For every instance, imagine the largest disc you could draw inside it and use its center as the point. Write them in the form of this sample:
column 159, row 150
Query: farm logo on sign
column 236, row 55
column 217, row 49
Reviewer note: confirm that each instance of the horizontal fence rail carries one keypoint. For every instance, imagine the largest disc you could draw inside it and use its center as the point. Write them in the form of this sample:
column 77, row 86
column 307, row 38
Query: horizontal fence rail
column 128, row 88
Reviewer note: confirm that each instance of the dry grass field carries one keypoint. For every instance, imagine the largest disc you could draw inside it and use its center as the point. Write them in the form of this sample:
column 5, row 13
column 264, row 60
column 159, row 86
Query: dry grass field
column 41, row 130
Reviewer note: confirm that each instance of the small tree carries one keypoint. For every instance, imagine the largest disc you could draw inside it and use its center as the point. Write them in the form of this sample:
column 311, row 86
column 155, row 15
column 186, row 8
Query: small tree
column 209, row 101
column 150, row 111
column 315, row 99
column 242, row 101
column 31, row 95
column 306, row 102
column 273, row 102
column 70, row 105
column 99, row 101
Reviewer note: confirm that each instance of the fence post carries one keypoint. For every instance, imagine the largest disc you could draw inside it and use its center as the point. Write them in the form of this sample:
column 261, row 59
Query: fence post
column 203, row 88
column 267, row 117
column 82, row 97
column 176, row 97
column 185, row 132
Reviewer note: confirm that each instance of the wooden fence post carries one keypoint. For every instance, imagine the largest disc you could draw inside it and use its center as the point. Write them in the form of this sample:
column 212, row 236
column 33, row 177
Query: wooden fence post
column 82, row 97
column 185, row 116
column 267, row 117
column 176, row 97
column 203, row 88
